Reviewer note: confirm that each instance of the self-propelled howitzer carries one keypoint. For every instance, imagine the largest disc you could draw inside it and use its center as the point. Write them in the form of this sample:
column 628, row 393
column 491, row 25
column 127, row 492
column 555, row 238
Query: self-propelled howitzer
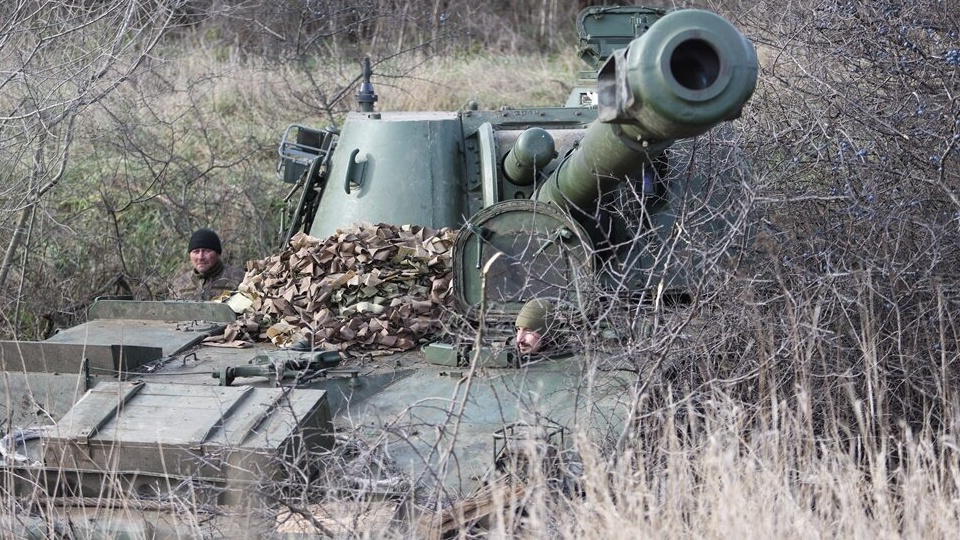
column 130, row 418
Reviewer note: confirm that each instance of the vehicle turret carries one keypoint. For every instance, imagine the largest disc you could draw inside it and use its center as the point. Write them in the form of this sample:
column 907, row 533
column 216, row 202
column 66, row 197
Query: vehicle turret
column 658, row 77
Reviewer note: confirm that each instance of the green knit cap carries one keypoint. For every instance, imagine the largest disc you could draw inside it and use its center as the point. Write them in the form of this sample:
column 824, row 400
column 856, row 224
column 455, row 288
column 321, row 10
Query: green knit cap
column 536, row 315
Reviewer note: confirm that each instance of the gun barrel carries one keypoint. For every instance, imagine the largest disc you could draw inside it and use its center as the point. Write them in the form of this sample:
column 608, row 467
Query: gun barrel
column 689, row 72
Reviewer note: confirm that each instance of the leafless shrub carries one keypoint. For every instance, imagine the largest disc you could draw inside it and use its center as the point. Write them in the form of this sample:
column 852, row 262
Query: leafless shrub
column 851, row 297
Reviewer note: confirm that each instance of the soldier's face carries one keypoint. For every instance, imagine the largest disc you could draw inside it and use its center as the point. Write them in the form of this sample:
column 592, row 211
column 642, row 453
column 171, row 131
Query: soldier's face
column 203, row 259
column 528, row 341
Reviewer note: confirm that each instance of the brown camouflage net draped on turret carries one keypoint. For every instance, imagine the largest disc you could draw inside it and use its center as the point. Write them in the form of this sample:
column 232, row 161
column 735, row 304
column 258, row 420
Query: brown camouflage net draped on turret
column 373, row 288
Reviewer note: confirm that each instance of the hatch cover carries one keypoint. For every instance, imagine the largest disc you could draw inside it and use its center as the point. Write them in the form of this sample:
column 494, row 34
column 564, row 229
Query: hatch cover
column 542, row 253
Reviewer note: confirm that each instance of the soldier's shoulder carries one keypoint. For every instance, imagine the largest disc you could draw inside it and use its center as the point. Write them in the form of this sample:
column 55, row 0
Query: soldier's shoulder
column 234, row 273
column 182, row 279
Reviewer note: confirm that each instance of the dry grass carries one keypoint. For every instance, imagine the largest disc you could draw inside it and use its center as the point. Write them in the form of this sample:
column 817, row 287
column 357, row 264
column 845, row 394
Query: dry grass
column 450, row 83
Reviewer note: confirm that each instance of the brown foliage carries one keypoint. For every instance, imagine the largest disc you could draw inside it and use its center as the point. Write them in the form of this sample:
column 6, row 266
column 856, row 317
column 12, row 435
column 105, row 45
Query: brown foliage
column 378, row 288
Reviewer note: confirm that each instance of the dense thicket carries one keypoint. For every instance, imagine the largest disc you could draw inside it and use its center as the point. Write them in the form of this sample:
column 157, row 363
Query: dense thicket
column 846, row 309
column 853, row 139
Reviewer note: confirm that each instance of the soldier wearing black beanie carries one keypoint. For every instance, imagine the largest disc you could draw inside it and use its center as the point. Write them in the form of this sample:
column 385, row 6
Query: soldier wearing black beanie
column 210, row 277
column 205, row 238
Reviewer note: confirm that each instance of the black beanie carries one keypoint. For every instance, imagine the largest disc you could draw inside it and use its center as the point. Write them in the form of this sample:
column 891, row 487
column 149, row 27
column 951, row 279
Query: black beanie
column 205, row 238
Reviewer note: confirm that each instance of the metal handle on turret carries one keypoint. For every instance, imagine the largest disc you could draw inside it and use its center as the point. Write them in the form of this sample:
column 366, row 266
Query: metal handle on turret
column 355, row 170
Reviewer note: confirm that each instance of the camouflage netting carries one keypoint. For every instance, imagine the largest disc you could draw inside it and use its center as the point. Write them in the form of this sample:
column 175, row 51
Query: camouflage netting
column 370, row 289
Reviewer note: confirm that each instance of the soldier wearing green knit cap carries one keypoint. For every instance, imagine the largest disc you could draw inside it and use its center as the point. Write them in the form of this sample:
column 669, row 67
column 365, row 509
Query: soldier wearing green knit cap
column 533, row 322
